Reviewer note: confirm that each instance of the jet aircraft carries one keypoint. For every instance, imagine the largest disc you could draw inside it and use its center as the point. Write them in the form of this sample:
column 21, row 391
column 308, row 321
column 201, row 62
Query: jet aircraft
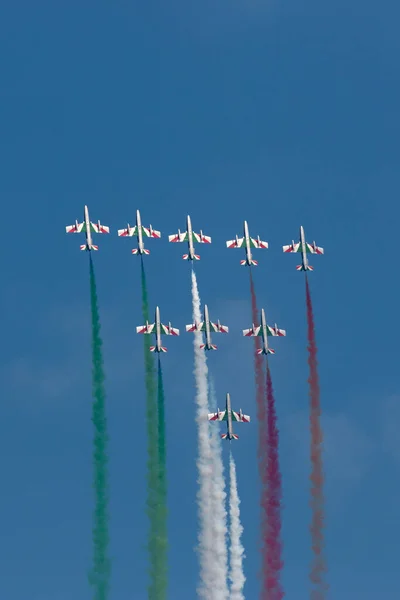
column 87, row 226
column 249, row 243
column 190, row 237
column 139, row 230
column 159, row 330
column 264, row 331
column 206, row 326
column 305, row 248
column 229, row 415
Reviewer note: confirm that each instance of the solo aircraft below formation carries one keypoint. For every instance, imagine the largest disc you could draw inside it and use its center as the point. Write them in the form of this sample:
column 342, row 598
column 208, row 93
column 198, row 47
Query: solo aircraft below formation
column 229, row 415
column 87, row 226
column 159, row 330
column 190, row 237
column 206, row 326
column 249, row 243
column 139, row 230
column 264, row 331
column 305, row 248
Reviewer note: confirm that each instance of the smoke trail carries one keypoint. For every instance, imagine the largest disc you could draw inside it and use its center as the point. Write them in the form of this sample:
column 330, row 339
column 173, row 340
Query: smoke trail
column 99, row 575
column 237, row 555
column 274, row 498
column 262, row 450
column 156, row 584
column 208, row 575
column 318, row 566
column 162, row 488
column 218, row 515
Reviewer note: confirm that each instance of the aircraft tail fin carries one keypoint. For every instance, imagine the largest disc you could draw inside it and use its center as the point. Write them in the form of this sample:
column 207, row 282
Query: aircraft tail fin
column 252, row 262
column 135, row 251
column 89, row 247
column 307, row 268
column 263, row 351
column 163, row 349
column 145, row 251
column 152, row 348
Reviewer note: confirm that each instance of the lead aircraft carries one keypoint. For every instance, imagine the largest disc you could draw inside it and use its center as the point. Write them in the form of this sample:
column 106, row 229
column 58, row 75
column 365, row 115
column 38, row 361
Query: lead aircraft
column 206, row 326
column 160, row 329
column 139, row 230
column 190, row 237
column 229, row 415
column 264, row 331
column 87, row 226
column 305, row 248
column 249, row 243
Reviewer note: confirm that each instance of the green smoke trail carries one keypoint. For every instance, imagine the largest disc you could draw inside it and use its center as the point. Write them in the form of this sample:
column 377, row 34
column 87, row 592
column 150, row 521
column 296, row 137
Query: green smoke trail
column 156, row 586
column 99, row 576
column 162, row 498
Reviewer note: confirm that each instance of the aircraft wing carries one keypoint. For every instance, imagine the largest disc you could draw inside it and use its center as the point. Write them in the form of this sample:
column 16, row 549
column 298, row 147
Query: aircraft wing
column 240, row 417
column 193, row 327
column 178, row 237
column 275, row 331
column 313, row 249
column 168, row 330
column 99, row 228
column 258, row 243
column 235, row 243
column 145, row 328
column 151, row 232
column 127, row 232
column 219, row 328
column 218, row 416
column 292, row 248
column 250, row 332
column 77, row 228
column 201, row 238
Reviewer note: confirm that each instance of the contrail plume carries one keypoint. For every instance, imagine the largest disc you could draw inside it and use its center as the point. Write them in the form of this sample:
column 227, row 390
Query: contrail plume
column 237, row 555
column 157, row 583
column 318, row 566
column 162, row 490
column 206, row 589
column 262, row 448
column 274, row 498
column 99, row 576
column 213, row 585
column 218, row 515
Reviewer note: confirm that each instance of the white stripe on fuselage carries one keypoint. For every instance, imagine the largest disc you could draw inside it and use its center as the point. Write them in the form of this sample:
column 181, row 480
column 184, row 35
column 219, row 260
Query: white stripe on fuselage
column 139, row 232
column 158, row 330
column 88, row 232
column 228, row 412
column 247, row 241
column 190, row 238
column 303, row 247
column 207, row 322
column 264, row 330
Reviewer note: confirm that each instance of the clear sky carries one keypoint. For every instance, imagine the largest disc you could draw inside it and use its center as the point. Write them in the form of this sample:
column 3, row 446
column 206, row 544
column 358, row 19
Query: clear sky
column 282, row 113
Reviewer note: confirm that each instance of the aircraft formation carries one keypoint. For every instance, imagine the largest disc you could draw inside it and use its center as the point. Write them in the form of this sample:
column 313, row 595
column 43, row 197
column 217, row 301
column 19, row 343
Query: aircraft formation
column 206, row 326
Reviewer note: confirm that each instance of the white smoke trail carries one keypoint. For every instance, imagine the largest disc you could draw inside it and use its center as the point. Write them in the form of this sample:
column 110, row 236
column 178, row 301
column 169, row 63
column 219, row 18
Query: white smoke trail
column 213, row 584
column 219, row 516
column 237, row 555
column 204, row 460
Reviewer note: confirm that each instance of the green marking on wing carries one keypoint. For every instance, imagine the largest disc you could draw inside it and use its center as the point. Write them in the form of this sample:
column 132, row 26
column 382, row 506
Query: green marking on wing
column 203, row 327
column 234, row 418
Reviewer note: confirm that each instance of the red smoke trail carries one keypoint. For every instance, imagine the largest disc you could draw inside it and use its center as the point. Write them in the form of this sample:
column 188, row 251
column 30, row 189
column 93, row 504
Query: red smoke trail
column 318, row 566
column 270, row 490
column 274, row 554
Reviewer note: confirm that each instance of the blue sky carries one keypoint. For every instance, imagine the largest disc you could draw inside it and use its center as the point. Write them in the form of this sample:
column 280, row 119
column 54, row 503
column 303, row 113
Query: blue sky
column 267, row 111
